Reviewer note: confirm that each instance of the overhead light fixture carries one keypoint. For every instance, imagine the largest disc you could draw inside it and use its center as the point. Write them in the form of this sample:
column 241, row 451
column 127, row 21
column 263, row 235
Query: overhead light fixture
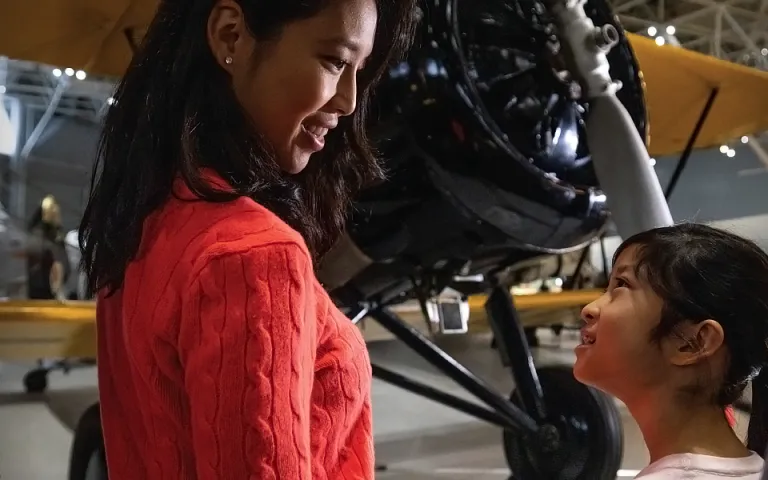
column 670, row 30
column 652, row 31
column 653, row 161
column 660, row 41
column 56, row 72
column 731, row 153
column 724, row 148
column 80, row 75
column 764, row 51
column 69, row 72
column 745, row 139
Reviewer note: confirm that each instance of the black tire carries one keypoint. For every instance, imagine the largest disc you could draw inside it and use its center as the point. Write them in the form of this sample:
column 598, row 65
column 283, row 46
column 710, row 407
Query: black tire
column 36, row 381
column 590, row 431
column 87, row 460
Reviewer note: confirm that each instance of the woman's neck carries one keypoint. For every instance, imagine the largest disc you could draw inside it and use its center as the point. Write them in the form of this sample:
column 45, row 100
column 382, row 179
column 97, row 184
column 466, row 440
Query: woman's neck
column 668, row 427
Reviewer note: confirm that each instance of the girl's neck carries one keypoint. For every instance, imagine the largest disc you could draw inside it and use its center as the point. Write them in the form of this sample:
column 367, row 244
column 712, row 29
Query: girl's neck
column 669, row 427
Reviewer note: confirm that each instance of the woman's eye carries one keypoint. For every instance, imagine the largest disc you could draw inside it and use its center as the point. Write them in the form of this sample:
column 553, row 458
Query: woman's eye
column 620, row 282
column 336, row 64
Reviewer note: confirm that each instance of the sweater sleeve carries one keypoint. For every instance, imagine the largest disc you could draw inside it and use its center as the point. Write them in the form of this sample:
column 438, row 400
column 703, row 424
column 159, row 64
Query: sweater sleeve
column 247, row 347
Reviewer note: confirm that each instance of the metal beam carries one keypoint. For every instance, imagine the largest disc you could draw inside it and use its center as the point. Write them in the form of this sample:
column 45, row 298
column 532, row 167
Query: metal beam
column 758, row 150
column 718, row 34
column 44, row 120
column 741, row 33
column 627, row 6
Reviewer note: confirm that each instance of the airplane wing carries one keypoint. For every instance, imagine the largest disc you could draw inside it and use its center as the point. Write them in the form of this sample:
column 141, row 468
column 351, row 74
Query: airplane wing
column 50, row 329
column 678, row 84
column 90, row 35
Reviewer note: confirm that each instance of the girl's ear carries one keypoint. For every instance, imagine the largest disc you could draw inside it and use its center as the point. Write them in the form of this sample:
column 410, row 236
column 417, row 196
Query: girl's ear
column 693, row 342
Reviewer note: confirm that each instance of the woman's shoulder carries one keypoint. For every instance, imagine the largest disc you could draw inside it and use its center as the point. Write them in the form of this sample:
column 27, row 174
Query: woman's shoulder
column 203, row 232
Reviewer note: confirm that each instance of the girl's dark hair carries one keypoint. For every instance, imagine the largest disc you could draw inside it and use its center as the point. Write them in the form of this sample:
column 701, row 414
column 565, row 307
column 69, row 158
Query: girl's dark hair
column 704, row 273
column 175, row 113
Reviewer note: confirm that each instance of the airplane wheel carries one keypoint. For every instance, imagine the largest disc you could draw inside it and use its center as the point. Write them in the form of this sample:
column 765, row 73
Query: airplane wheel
column 588, row 425
column 36, row 381
column 87, row 460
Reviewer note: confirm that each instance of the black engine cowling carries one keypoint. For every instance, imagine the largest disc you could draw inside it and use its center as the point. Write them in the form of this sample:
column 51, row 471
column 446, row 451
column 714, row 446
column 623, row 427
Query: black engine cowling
column 483, row 132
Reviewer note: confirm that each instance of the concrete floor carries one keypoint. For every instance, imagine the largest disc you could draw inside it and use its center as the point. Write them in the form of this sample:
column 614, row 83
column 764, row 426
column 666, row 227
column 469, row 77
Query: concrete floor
column 416, row 438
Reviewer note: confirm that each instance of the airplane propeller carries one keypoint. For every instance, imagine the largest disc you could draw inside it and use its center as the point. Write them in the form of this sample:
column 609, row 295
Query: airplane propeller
column 619, row 154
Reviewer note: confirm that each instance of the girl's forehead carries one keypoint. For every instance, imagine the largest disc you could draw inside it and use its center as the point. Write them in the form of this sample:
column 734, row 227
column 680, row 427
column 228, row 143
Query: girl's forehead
column 626, row 260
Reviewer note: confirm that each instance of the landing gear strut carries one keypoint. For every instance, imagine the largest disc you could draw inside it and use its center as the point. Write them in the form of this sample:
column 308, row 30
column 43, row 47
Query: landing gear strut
column 554, row 428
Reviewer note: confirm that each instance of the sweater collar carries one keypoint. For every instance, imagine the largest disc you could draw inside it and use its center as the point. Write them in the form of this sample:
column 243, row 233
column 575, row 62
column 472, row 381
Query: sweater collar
column 182, row 191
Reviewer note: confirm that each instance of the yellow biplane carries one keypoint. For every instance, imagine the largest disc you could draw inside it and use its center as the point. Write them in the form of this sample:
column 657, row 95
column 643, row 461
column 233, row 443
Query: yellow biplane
column 685, row 92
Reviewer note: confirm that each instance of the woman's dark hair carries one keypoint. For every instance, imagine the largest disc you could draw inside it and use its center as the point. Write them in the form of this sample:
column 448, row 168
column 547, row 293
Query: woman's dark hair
column 175, row 114
column 704, row 273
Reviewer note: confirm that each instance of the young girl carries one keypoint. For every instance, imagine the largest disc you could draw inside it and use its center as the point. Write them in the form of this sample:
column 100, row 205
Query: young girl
column 679, row 334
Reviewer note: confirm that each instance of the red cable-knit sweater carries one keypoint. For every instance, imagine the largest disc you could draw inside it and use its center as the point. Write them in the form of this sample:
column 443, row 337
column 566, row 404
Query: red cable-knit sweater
column 223, row 358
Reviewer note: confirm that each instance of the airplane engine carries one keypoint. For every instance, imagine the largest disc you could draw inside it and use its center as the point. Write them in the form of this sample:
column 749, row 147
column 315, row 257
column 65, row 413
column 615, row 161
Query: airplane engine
column 483, row 132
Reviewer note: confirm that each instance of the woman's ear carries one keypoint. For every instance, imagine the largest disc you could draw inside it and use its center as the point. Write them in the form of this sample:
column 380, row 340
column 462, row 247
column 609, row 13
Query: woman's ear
column 228, row 35
column 693, row 342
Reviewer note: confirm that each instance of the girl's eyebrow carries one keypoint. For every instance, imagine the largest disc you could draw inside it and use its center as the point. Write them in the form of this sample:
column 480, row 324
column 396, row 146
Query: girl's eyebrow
column 623, row 269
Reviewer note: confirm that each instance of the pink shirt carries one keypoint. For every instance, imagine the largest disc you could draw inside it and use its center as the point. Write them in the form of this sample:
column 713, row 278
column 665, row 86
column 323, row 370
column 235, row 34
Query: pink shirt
column 703, row 467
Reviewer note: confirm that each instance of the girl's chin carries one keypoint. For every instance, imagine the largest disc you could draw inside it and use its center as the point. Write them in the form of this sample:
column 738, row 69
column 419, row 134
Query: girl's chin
column 581, row 369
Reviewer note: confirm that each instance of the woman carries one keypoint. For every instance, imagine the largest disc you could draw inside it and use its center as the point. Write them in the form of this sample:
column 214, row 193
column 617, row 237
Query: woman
column 226, row 166
column 680, row 332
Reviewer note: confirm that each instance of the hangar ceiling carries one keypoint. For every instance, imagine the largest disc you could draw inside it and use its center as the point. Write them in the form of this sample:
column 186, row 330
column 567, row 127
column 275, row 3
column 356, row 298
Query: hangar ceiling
column 734, row 30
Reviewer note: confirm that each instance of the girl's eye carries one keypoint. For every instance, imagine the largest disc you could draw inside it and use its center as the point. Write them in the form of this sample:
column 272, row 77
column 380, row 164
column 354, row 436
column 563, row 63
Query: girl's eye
column 616, row 283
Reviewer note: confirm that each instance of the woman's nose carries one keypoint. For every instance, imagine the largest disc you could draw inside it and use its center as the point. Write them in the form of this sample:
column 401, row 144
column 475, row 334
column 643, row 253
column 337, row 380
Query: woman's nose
column 346, row 95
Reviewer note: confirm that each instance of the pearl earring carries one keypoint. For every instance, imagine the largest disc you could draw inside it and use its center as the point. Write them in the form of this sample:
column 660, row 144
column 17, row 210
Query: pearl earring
column 228, row 60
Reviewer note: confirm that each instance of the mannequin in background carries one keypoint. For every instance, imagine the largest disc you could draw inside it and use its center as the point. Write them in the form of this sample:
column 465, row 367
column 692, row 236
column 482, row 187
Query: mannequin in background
column 47, row 263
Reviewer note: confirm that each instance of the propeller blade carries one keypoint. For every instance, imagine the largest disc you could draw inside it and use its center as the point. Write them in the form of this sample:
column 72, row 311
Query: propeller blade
column 624, row 169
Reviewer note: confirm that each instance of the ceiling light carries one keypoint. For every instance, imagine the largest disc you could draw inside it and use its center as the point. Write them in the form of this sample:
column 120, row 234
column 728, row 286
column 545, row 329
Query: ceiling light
column 764, row 51
column 731, row 153
column 653, row 161
column 69, row 72
column 724, row 148
column 745, row 139
column 56, row 72
column 660, row 41
column 652, row 31
column 670, row 30
column 80, row 75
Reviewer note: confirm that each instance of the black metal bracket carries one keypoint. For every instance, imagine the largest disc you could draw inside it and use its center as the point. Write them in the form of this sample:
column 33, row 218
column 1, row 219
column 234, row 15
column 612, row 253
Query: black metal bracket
column 500, row 410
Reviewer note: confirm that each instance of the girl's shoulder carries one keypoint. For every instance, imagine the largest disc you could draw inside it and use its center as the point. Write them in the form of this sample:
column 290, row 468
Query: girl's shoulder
column 704, row 467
